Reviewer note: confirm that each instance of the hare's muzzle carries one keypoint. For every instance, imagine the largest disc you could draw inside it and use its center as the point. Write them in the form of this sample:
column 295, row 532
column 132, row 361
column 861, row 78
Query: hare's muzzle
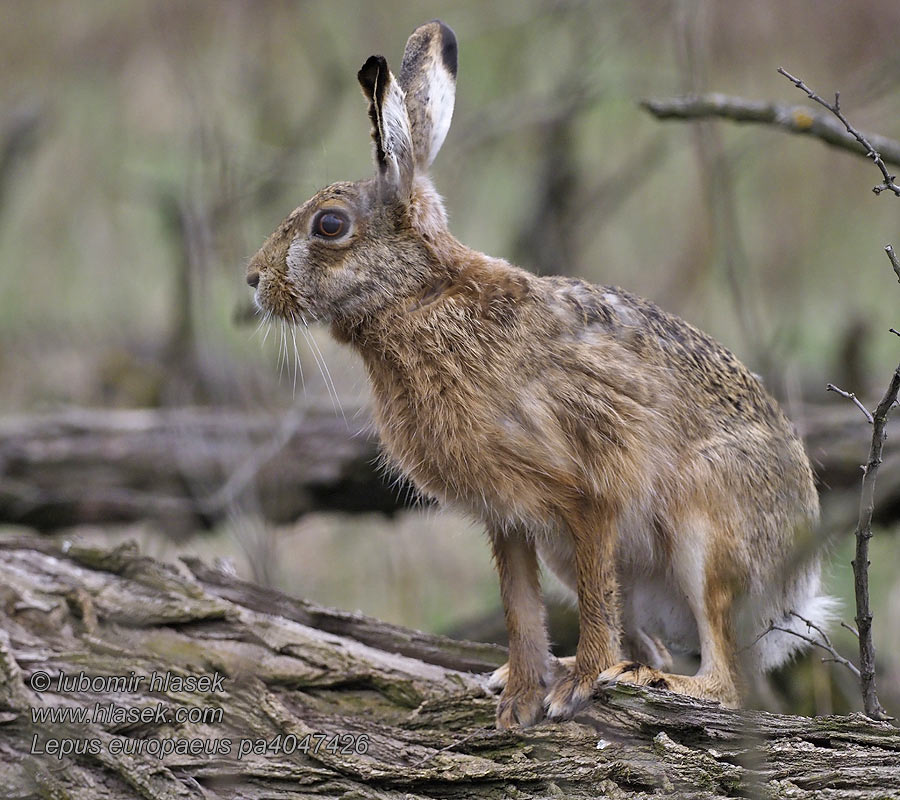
column 253, row 279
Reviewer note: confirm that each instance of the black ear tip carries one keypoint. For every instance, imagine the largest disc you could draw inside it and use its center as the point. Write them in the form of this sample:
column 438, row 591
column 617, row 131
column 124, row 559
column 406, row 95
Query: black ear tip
column 368, row 73
column 448, row 47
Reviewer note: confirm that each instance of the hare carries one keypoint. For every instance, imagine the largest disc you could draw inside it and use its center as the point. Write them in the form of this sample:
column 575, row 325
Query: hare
column 637, row 457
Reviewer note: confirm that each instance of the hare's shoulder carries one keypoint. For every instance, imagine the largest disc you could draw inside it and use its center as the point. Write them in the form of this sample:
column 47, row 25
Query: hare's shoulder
column 703, row 369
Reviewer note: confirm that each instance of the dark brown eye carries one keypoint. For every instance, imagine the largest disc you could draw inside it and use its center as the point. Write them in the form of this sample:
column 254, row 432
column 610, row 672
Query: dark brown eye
column 329, row 224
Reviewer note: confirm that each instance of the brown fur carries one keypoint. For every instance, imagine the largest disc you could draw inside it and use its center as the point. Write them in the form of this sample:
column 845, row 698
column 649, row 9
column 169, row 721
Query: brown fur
column 576, row 421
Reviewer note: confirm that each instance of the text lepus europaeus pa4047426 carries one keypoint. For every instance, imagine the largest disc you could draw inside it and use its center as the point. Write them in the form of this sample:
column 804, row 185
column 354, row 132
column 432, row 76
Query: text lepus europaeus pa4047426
column 643, row 463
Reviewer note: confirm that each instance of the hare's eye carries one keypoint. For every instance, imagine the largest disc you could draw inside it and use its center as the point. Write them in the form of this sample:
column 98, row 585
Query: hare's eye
column 329, row 224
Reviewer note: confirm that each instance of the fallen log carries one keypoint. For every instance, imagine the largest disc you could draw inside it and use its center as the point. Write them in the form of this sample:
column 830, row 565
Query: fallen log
column 253, row 694
column 188, row 468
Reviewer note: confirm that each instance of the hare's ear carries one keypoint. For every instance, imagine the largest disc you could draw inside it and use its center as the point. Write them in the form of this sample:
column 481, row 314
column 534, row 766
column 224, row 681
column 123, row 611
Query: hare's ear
column 428, row 77
column 390, row 129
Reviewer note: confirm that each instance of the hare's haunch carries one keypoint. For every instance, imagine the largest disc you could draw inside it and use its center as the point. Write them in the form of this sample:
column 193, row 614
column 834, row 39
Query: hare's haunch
column 643, row 463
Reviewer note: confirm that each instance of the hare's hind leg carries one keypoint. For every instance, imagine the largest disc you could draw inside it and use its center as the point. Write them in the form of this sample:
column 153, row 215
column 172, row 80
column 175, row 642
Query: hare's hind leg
column 521, row 702
column 710, row 587
column 716, row 682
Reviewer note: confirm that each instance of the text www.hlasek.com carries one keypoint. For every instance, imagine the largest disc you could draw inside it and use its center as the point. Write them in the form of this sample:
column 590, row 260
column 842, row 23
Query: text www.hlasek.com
column 111, row 713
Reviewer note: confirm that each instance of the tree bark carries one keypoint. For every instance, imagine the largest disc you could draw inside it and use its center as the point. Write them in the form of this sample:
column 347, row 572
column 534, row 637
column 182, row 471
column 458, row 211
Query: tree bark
column 332, row 704
column 188, row 468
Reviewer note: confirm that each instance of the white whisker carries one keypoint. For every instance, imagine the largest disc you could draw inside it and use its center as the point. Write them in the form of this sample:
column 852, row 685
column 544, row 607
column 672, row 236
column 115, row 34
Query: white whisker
column 282, row 352
column 298, row 366
column 262, row 321
column 267, row 318
column 326, row 375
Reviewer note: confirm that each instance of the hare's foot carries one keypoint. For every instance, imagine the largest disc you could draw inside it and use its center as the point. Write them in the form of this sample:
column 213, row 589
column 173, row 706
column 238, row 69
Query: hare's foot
column 498, row 679
column 712, row 686
column 520, row 708
column 569, row 695
column 500, row 676
column 648, row 649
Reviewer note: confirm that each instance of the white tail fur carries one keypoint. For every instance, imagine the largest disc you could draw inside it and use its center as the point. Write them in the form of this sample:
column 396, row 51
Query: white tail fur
column 776, row 647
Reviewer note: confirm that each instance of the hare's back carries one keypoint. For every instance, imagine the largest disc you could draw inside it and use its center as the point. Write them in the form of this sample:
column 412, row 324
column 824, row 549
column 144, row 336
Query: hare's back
column 702, row 373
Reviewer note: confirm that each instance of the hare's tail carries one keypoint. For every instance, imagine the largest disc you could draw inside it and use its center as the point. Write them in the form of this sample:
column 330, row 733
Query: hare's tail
column 783, row 631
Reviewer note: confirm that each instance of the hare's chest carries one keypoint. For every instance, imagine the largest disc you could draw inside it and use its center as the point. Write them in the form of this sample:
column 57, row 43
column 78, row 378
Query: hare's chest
column 484, row 451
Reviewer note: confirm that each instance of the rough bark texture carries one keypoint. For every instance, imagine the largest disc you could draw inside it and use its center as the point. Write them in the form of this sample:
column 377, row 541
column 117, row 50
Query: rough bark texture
column 188, row 468
column 410, row 711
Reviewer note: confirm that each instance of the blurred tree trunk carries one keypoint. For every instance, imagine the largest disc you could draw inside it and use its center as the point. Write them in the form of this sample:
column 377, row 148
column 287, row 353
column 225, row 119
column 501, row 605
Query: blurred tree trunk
column 185, row 468
column 329, row 704
column 18, row 137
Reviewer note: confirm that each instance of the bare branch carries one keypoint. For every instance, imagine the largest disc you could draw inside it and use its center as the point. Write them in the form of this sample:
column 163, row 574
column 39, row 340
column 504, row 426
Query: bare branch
column 835, row 108
column 826, row 644
column 801, row 120
column 823, row 642
column 873, row 707
column 850, row 396
column 850, row 628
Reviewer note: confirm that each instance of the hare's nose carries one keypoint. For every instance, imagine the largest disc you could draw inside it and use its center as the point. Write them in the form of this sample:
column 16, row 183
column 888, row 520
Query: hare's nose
column 253, row 279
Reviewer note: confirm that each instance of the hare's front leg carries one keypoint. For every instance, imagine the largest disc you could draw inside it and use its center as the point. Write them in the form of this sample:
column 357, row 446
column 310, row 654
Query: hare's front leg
column 598, row 608
column 521, row 702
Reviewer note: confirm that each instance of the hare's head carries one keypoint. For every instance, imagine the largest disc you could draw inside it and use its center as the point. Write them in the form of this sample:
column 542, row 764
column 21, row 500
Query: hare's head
column 355, row 247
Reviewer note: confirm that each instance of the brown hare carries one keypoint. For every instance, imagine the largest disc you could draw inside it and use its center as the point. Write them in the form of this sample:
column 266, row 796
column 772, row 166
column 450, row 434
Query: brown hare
column 638, row 458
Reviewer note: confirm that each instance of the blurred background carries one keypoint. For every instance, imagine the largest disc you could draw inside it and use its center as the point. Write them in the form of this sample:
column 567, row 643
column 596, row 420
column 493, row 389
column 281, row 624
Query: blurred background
column 148, row 148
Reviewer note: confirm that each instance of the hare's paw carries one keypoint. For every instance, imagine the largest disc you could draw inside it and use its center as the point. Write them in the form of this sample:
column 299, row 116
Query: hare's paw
column 568, row 696
column 556, row 667
column 635, row 673
column 717, row 685
column 521, row 708
column 498, row 679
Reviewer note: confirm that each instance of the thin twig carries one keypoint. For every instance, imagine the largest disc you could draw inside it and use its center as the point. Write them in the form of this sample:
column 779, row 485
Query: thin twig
column 835, row 108
column 826, row 644
column 850, row 396
column 823, row 643
column 850, row 628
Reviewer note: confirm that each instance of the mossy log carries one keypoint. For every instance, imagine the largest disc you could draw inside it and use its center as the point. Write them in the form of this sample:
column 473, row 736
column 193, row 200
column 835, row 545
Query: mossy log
column 188, row 468
column 325, row 703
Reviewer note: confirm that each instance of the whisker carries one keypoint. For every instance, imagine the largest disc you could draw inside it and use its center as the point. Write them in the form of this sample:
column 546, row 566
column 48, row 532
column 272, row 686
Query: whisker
column 262, row 321
column 326, row 375
column 298, row 365
column 267, row 318
column 282, row 352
